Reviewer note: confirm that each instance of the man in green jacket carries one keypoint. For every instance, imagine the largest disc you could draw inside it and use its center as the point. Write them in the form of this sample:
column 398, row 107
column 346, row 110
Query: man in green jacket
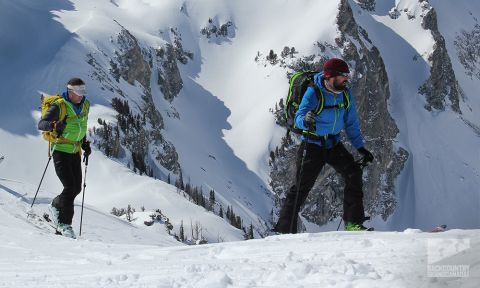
column 66, row 118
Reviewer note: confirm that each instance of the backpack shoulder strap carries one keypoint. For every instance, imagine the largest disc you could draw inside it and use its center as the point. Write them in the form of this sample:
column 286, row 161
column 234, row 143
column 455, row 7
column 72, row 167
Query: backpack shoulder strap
column 346, row 95
column 86, row 106
column 60, row 102
column 320, row 97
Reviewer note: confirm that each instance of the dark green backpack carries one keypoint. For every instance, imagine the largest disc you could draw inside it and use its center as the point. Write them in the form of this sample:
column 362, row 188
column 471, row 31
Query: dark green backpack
column 298, row 84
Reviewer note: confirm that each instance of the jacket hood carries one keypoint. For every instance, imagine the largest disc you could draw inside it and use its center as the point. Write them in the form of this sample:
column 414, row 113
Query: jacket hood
column 318, row 79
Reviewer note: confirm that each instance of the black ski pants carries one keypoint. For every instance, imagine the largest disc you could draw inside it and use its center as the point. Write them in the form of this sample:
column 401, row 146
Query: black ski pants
column 69, row 170
column 315, row 158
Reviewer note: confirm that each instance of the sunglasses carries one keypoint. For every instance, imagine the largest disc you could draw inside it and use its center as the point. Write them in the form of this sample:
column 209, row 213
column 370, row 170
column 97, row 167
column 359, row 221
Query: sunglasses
column 80, row 90
column 344, row 74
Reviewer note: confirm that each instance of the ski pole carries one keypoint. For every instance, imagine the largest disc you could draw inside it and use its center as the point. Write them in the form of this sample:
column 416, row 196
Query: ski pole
column 49, row 158
column 299, row 180
column 304, row 152
column 85, row 159
column 340, row 223
column 41, row 180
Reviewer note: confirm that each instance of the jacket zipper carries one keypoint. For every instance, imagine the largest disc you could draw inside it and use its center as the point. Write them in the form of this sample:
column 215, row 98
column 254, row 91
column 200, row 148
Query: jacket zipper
column 335, row 111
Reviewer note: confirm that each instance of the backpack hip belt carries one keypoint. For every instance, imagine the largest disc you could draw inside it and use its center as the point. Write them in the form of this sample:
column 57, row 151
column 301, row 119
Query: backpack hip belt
column 322, row 138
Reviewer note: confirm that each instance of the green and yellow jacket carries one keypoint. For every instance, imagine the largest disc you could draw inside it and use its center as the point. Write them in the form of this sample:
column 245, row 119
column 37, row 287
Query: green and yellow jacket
column 75, row 117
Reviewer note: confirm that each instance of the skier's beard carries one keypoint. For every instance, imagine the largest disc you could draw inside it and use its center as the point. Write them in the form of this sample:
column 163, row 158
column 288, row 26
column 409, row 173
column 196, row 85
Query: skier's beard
column 340, row 85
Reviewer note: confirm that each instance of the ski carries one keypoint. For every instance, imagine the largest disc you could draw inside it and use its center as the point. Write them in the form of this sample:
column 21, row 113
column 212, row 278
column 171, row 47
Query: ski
column 46, row 217
column 41, row 222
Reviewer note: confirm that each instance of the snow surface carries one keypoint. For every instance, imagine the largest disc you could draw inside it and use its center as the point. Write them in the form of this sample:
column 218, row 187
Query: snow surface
column 114, row 253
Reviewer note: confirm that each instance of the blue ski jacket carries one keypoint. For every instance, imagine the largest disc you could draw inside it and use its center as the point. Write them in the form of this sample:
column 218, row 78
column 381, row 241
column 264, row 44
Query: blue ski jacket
column 330, row 121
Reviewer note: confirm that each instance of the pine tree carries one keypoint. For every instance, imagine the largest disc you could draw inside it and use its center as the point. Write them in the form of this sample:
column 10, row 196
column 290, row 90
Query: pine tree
column 211, row 200
column 129, row 213
column 272, row 57
column 188, row 189
column 285, row 52
column 168, row 226
column 220, row 213
column 250, row 231
column 197, row 230
column 239, row 223
column 272, row 220
column 228, row 213
column 182, row 232
column 195, row 195
column 201, row 199
column 182, row 185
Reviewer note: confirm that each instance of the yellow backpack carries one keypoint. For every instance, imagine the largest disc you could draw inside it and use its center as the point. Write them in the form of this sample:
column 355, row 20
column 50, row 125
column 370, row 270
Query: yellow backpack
column 47, row 101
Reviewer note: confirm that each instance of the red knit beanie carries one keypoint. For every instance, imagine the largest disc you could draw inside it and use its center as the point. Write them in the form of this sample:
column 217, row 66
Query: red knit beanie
column 335, row 67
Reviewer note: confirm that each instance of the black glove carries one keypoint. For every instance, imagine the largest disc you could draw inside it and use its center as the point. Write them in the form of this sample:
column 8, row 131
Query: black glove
column 86, row 148
column 367, row 155
column 309, row 119
column 59, row 127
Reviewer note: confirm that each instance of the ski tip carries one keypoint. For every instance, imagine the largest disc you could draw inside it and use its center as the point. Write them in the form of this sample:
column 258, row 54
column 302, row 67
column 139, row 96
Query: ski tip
column 30, row 213
column 46, row 217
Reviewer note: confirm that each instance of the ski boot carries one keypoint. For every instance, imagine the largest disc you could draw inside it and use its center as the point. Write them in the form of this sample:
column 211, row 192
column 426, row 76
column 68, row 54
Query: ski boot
column 55, row 213
column 66, row 230
column 349, row 226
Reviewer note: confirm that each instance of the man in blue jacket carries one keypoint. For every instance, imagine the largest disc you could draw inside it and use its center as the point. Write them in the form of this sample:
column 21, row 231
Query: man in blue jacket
column 323, row 146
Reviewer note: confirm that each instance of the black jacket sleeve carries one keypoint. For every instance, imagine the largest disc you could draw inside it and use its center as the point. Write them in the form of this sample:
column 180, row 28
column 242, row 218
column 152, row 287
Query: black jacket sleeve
column 52, row 115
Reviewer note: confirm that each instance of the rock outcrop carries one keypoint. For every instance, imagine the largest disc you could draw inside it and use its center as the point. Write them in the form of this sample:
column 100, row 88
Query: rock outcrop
column 442, row 83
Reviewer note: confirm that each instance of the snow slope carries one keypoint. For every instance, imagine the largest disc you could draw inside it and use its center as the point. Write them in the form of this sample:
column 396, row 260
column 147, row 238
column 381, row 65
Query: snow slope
column 122, row 188
column 114, row 253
